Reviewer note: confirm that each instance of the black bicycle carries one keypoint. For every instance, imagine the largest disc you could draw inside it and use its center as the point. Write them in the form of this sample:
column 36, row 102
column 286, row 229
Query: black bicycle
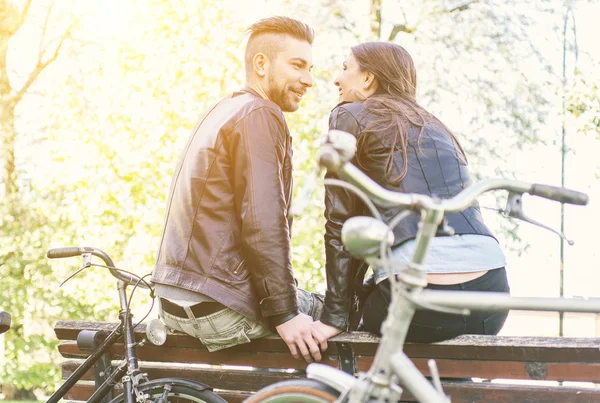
column 4, row 321
column 135, row 385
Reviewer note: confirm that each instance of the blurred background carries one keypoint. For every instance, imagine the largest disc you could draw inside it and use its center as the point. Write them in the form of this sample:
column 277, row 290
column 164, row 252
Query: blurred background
column 98, row 97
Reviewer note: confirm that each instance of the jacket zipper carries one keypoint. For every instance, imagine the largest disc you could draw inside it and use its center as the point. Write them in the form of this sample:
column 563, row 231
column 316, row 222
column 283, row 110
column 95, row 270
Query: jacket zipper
column 238, row 266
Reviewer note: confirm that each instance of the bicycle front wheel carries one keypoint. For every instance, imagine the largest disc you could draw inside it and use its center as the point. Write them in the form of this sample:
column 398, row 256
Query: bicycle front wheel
column 176, row 391
column 295, row 390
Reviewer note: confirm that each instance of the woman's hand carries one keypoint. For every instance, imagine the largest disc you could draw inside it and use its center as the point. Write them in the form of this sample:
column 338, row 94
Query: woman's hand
column 322, row 332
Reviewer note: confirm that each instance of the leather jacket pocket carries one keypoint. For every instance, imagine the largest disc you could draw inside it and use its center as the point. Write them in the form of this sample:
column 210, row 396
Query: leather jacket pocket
column 237, row 267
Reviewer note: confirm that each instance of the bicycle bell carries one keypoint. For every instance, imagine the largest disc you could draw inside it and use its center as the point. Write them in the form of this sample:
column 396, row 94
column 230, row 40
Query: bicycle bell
column 362, row 236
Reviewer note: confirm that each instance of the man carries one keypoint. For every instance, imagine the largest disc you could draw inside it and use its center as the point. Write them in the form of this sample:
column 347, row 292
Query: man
column 223, row 271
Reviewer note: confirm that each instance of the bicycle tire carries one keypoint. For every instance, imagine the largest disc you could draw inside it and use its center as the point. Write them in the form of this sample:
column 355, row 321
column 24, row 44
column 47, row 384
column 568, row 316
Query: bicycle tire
column 295, row 391
column 181, row 391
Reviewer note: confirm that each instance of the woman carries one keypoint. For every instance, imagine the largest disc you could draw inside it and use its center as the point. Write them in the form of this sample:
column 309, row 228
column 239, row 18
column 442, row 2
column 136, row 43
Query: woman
column 405, row 149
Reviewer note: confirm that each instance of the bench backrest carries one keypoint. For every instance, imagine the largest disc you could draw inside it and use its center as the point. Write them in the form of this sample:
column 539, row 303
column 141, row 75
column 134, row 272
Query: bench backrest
column 265, row 361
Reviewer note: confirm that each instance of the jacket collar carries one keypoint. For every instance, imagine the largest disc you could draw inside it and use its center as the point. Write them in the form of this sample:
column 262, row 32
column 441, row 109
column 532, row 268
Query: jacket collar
column 250, row 91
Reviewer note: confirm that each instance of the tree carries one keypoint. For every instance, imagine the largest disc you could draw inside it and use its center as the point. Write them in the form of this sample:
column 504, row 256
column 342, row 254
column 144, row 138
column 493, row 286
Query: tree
column 481, row 69
column 583, row 103
column 473, row 61
column 167, row 72
column 25, row 227
column 30, row 289
column 117, row 116
column 13, row 18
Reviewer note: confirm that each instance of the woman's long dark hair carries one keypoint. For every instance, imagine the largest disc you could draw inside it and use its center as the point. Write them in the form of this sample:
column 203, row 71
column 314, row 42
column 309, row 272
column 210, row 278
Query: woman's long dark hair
column 394, row 104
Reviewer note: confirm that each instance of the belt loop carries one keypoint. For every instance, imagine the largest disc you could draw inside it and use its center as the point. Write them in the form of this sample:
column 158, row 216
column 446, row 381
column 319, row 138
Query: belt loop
column 189, row 312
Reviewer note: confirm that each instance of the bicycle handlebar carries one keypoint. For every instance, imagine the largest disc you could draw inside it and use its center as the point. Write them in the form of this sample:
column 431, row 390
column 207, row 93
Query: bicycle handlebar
column 71, row 251
column 335, row 156
column 562, row 195
column 61, row 253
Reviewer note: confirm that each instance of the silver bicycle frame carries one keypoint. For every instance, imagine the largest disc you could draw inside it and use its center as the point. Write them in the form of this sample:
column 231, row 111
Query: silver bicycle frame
column 390, row 364
column 392, row 369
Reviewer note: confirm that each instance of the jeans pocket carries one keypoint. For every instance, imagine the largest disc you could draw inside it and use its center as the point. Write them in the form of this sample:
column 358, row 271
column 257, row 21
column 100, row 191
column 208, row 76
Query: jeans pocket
column 231, row 338
column 420, row 333
column 429, row 333
column 493, row 323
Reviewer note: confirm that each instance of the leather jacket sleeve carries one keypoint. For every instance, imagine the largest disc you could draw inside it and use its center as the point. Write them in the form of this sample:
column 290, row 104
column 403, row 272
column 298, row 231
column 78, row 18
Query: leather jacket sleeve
column 259, row 145
column 340, row 266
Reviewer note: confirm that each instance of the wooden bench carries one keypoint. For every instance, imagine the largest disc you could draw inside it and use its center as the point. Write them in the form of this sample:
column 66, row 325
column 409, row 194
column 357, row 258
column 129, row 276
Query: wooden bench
column 268, row 360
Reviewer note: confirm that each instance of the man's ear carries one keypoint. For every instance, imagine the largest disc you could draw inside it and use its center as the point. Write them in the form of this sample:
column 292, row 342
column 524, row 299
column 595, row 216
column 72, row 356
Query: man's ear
column 260, row 62
column 369, row 81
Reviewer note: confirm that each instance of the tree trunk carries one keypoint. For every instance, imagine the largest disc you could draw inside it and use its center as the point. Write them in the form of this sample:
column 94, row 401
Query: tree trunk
column 7, row 103
column 376, row 19
column 8, row 135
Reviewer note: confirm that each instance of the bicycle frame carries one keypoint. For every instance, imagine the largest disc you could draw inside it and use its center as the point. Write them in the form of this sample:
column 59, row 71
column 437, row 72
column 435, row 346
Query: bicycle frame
column 136, row 386
column 128, row 365
column 391, row 366
column 390, row 359
column 5, row 320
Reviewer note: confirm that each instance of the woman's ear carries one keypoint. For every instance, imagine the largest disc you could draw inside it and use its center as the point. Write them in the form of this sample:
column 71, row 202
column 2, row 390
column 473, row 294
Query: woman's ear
column 260, row 62
column 370, row 84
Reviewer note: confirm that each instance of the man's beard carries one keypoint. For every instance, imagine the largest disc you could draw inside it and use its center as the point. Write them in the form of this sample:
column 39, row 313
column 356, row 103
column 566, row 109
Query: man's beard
column 281, row 96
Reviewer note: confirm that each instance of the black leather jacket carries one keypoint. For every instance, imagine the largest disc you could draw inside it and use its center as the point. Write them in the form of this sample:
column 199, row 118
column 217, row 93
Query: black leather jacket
column 433, row 169
column 226, row 233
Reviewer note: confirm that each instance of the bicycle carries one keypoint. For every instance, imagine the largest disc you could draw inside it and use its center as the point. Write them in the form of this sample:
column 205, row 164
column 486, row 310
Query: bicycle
column 369, row 238
column 5, row 321
column 135, row 384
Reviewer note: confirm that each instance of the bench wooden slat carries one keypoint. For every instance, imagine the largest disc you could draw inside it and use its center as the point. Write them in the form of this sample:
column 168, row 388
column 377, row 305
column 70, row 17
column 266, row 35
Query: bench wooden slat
column 459, row 393
column 82, row 392
column 501, row 393
column 233, row 397
column 551, row 349
column 187, row 355
column 491, row 369
column 68, row 330
column 466, row 347
column 448, row 368
column 217, row 378
column 523, row 358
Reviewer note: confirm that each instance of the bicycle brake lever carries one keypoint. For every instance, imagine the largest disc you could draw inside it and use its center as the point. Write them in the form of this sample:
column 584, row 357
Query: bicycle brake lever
column 87, row 262
column 514, row 209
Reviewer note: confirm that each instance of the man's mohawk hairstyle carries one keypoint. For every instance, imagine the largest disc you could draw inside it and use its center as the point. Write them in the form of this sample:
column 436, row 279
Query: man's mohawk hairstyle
column 282, row 25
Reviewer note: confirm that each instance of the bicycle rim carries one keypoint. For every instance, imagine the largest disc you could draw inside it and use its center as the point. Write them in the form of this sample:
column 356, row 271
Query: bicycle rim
column 297, row 390
column 177, row 394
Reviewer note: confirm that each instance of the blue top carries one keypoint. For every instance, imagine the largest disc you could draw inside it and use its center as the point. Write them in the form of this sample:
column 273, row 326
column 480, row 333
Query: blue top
column 450, row 254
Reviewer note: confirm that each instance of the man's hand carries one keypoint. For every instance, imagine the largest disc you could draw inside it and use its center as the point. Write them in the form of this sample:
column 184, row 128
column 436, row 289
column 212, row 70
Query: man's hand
column 297, row 334
column 322, row 332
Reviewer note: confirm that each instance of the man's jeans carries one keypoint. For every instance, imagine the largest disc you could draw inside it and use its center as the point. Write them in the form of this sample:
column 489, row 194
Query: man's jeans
column 227, row 328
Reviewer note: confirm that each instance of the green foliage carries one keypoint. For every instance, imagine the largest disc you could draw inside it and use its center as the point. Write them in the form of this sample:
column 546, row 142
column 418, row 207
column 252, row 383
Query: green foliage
column 30, row 290
column 145, row 126
column 583, row 103
column 116, row 113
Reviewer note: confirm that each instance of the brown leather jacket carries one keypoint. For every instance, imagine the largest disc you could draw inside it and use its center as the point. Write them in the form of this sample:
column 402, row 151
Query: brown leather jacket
column 226, row 233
